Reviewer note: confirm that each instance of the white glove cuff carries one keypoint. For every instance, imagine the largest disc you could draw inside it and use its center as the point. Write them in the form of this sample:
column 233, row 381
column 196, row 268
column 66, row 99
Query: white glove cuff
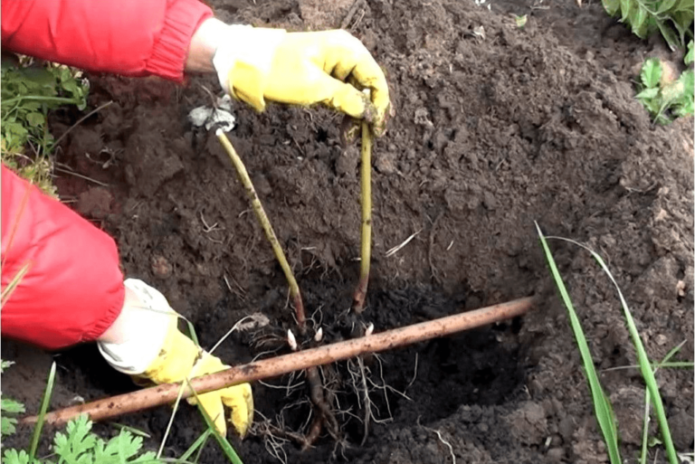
column 145, row 328
column 253, row 46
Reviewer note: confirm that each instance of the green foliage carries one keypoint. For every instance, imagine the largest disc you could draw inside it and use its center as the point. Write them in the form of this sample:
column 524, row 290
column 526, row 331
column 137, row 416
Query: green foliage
column 8, row 408
column 79, row 445
column 45, row 400
column 663, row 99
column 673, row 18
column 4, row 365
column 602, row 405
column 226, row 447
column 520, row 21
column 689, row 56
column 28, row 93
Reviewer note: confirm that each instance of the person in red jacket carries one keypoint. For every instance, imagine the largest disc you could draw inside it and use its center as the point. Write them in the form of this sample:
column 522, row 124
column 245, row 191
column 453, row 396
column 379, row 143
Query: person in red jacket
column 71, row 288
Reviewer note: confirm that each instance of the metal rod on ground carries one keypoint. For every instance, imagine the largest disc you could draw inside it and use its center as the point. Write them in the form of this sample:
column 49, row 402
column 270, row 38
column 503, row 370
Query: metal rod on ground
column 273, row 367
column 267, row 228
column 366, row 198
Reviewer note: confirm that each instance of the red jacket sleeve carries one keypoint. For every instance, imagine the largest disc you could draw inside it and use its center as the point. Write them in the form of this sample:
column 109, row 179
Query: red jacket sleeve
column 128, row 37
column 73, row 290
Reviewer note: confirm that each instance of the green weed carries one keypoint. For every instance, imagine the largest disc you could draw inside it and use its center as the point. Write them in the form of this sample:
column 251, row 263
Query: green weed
column 28, row 93
column 602, row 405
column 673, row 18
column 78, row 445
column 9, row 407
column 666, row 99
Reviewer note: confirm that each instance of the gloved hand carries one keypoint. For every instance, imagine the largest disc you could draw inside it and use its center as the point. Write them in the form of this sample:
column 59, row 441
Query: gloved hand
column 150, row 346
column 303, row 68
column 179, row 358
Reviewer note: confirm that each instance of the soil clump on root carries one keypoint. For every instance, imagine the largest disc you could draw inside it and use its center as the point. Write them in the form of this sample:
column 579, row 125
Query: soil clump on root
column 496, row 127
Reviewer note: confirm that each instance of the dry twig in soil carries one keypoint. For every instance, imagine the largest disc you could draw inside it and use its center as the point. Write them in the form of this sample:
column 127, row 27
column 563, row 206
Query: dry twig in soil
column 300, row 360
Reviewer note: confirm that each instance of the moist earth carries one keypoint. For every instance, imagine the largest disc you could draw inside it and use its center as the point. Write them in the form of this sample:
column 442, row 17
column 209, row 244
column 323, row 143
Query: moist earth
column 496, row 128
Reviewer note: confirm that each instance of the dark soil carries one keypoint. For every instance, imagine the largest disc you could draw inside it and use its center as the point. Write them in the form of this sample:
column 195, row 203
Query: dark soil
column 491, row 134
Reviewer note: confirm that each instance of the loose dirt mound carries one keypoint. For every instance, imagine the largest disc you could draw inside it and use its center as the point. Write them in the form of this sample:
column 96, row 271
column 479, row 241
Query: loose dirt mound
column 496, row 128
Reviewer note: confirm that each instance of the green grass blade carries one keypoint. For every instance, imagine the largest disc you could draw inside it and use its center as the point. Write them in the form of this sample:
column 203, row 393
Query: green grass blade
column 177, row 403
column 133, row 430
column 645, row 364
column 191, row 332
column 227, row 447
column 645, row 368
column 200, row 450
column 645, row 430
column 672, row 353
column 675, row 365
column 36, row 435
column 602, row 406
column 198, row 444
column 645, row 423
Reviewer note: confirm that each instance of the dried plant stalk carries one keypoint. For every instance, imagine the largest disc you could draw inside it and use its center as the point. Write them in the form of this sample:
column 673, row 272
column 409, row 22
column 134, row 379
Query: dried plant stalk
column 163, row 394
column 366, row 199
column 267, row 228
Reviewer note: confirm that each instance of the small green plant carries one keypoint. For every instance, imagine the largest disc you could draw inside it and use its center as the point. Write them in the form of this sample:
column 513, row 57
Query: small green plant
column 664, row 97
column 521, row 21
column 28, row 93
column 673, row 18
column 604, row 413
column 79, row 445
column 602, row 405
column 9, row 407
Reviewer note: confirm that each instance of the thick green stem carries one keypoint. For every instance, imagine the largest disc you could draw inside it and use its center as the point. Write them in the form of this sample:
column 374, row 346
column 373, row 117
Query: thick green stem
column 267, row 228
column 366, row 199
column 40, row 98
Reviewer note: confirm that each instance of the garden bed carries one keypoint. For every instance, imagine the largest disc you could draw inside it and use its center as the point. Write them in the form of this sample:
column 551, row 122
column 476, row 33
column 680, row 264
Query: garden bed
column 496, row 127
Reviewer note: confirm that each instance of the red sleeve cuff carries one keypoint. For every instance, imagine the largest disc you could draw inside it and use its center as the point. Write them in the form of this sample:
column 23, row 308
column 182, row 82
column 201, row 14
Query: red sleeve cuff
column 109, row 316
column 183, row 17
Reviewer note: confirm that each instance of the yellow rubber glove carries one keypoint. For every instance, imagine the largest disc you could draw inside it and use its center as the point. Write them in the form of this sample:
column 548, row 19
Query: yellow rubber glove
column 145, row 343
column 303, row 68
column 176, row 361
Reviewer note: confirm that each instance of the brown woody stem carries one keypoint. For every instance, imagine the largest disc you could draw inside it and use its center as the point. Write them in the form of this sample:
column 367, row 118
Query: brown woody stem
column 163, row 394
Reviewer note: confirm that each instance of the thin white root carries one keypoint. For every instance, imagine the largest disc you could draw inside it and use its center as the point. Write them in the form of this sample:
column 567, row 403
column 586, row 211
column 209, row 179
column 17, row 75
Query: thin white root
column 367, row 401
column 397, row 248
column 441, row 438
column 414, row 373
column 451, row 448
